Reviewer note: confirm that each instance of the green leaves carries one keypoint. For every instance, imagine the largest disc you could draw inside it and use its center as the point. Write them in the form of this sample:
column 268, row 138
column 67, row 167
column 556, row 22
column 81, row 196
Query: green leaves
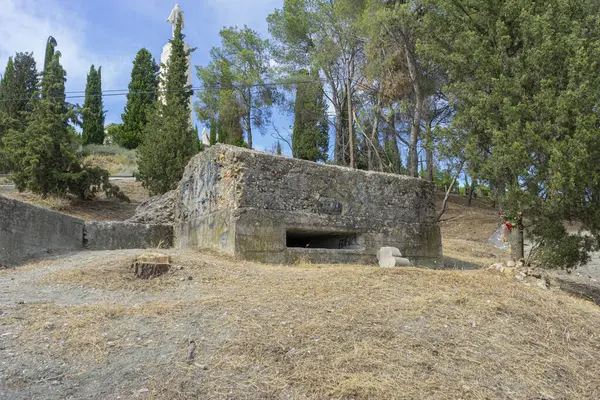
column 93, row 114
column 524, row 79
column 310, row 136
column 143, row 91
column 234, row 85
column 169, row 140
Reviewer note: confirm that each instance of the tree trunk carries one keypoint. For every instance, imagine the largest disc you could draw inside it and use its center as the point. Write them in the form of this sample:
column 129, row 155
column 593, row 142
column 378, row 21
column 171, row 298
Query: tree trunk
column 350, row 117
column 517, row 245
column 413, row 164
column 249, row 118
column 429, row 152
column 471, row 191
column 449, row 190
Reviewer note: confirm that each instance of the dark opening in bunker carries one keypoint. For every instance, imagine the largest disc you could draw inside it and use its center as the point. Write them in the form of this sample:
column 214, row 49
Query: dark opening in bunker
column 321, row 240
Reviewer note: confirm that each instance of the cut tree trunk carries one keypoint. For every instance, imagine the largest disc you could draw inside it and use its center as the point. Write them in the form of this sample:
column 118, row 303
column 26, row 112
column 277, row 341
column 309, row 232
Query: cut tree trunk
column 151, row 265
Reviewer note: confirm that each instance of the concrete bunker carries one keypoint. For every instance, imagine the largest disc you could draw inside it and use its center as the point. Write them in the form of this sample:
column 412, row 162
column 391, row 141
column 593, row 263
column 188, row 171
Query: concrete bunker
column 268, row 208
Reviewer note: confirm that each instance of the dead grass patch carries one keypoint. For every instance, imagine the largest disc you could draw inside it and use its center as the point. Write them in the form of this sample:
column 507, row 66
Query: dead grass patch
column 324, row 331
column 97, row 209
column 115, row 164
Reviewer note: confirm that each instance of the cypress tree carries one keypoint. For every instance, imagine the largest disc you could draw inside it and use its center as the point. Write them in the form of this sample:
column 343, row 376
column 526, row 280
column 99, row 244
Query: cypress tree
column 169, row 138
column 278, row 148
column 143, row 90
column 50, row 46
column 213, row 132
column 6, row 84
column 44, row 153
column 93, row 114
column 310, row 135
column 17, row 87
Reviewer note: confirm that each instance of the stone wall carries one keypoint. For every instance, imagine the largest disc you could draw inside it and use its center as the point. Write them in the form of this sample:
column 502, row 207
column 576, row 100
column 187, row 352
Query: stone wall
column 27, row 230
column 113, row 235
column 273, row 209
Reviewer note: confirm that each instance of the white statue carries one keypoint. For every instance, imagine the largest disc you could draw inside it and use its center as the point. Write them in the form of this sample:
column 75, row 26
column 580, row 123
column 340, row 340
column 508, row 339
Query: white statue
column 174, row 17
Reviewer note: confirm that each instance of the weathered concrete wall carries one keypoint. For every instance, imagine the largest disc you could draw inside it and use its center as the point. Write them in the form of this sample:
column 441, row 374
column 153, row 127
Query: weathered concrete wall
column 114, row 235
column 273, row 209
column 27, row 230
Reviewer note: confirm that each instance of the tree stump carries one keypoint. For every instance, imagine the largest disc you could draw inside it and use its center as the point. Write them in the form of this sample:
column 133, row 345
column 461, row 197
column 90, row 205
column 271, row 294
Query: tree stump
column 151, row 265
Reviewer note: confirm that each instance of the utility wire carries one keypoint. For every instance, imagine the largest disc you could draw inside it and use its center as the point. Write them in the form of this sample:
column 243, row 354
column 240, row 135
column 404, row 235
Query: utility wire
column 124, row 92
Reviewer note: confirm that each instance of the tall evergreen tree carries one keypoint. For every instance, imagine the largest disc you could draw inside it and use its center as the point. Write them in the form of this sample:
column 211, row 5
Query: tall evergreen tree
column 17, row 87
column 169, row 138
column 93, row 114
column 230, row 109
column 50, row 46
column 524, row 79
column 6, row 84
column 213, row 131
column 44, row 153
column 310, row 135
column 143, row 90
column 278, row 148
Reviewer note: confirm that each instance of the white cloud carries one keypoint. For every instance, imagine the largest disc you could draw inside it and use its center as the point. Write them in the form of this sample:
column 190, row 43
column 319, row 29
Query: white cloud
column 25, row 26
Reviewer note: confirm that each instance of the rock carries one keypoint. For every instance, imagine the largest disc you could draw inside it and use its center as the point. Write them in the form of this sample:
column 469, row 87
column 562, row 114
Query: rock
column 508, row 271
column 156, row 210
column 388, row 252
column 511, row 264
column 497, row 266
column 150, row 265
column 391, row 257
column 541, row 283
column 520, row 276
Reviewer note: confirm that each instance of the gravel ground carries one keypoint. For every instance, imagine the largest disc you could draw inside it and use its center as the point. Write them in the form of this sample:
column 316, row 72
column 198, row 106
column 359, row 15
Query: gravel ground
column 114, row 363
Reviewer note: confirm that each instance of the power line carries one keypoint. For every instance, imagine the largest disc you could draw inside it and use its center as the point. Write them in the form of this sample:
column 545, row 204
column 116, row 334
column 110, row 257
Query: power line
column 124, row 92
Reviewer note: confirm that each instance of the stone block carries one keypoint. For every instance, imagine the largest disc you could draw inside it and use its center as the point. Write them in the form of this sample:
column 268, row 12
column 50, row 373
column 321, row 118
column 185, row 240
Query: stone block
column 114, row 235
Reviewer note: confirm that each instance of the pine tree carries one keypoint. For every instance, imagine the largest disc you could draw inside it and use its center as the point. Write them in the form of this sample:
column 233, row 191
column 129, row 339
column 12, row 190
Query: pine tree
column 169, row 138
column 143, row 90
column 278, row 148
column 93, row 114
column 230, row 110
column 213, row 132
column 310, row 136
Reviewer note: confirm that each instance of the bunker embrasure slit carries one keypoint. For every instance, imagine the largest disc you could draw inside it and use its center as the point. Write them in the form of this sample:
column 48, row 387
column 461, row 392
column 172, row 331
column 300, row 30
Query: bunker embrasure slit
column 321, row 240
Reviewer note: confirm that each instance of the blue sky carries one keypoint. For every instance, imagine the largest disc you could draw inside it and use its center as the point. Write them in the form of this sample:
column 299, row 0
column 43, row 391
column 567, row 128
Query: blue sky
column 109, row 33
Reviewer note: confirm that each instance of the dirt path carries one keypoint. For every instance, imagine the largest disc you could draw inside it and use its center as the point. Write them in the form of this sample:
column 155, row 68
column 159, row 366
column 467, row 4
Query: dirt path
column 62, row 341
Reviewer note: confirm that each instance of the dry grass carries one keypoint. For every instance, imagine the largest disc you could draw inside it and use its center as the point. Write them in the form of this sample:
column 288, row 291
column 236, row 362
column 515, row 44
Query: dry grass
column 115, row 164
column 351, row 332
column 97, row 209
column 55, row 203
column 465, row 233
